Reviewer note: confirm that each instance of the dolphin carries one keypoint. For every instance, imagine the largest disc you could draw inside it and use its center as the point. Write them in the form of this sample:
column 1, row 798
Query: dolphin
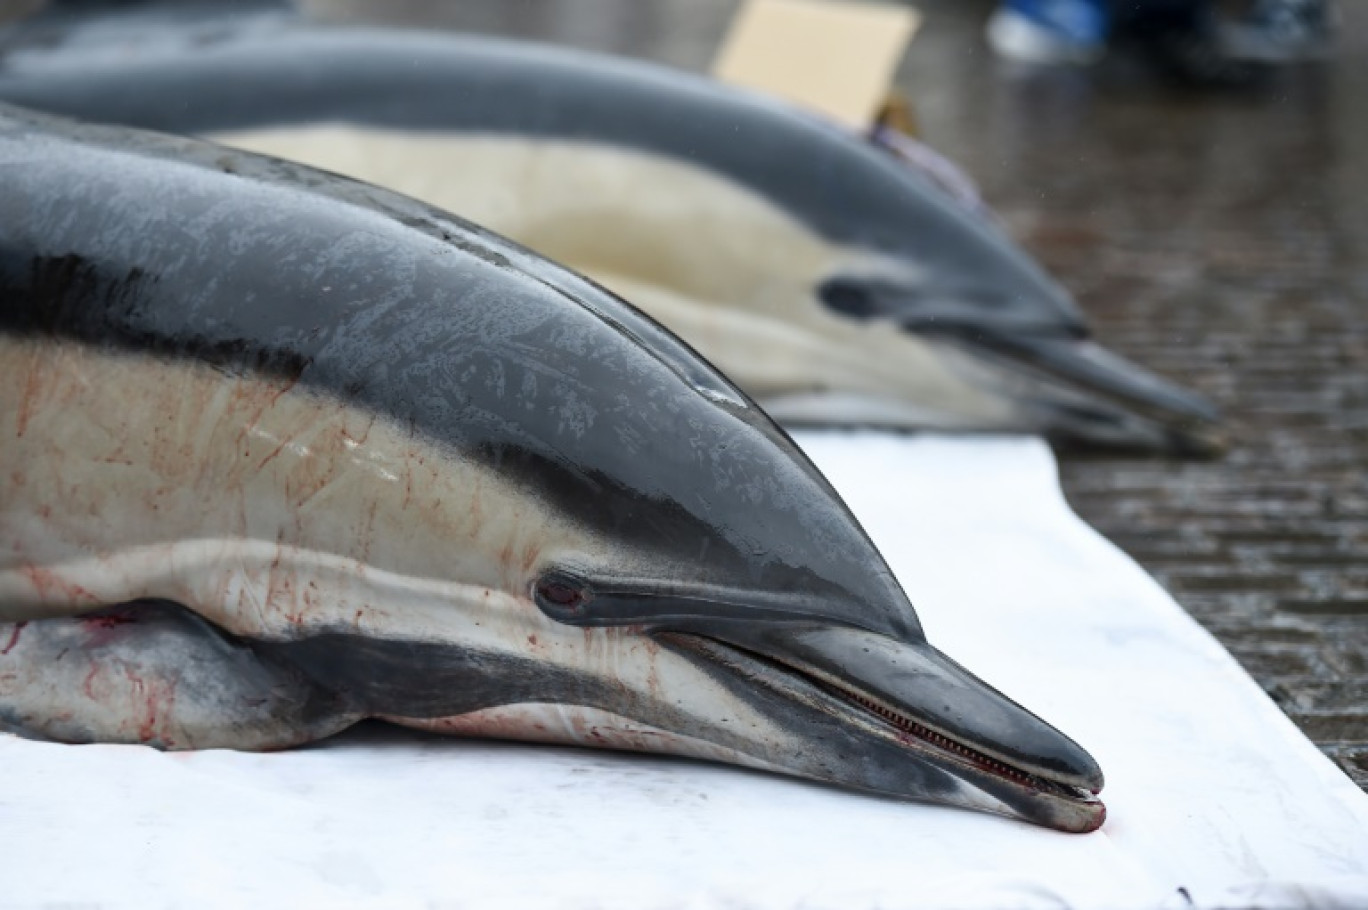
column 831, row 281
column 283, row 451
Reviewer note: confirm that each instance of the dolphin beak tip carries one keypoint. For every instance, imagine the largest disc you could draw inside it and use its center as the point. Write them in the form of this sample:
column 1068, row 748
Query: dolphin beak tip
column 1093, row 821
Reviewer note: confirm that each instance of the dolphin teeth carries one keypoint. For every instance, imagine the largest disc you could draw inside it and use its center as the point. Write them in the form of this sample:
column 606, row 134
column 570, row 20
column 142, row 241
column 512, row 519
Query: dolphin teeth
column 988, row 763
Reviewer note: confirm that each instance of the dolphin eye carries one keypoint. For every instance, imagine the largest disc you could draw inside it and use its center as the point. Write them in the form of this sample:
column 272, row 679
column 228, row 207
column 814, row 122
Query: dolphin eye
column 849, row 297
column 561, row 595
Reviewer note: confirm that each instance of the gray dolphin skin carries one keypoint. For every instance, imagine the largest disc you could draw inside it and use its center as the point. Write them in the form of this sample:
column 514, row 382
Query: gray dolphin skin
column 829, row 280
column 283, row 451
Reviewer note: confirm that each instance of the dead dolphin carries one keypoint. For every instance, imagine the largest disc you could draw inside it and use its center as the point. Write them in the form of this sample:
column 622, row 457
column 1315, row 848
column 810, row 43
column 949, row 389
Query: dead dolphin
column 830, row 281
column 283, row 451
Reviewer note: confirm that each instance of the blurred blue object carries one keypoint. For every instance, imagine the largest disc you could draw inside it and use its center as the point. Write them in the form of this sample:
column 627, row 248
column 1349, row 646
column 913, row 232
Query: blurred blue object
column 1050, row 31
column 1194, row 42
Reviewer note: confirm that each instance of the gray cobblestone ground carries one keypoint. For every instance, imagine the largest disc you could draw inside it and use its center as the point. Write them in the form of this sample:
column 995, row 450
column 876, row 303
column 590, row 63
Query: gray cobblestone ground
column 1220, row 240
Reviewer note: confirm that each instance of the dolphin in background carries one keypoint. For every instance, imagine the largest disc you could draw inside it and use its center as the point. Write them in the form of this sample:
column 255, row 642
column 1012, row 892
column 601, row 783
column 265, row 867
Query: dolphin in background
column 828, row 279
column 284, row 451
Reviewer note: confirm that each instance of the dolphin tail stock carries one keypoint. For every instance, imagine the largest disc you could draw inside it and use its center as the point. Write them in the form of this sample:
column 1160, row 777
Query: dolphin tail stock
column 155, row 673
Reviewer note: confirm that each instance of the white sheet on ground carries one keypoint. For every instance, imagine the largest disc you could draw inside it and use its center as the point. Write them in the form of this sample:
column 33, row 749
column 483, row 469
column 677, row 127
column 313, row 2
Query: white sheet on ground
column 1212, row 793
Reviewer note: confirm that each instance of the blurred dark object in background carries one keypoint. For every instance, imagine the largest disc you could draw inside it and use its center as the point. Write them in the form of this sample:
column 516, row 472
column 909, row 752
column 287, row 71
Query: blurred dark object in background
column 14, row 9
column 1192, row 42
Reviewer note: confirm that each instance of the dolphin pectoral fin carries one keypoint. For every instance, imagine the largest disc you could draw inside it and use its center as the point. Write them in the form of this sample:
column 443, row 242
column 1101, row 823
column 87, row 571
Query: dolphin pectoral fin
column 154, row 673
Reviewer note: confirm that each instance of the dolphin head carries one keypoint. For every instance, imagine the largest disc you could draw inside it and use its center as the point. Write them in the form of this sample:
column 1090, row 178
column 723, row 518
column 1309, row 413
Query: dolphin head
column 706, row 592
column 723, row 603
column 814, row 696
column 790, row 646
column 944, row 275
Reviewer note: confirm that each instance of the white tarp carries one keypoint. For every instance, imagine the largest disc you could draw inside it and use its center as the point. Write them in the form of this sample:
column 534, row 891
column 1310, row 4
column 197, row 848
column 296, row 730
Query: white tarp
column 1213, row 794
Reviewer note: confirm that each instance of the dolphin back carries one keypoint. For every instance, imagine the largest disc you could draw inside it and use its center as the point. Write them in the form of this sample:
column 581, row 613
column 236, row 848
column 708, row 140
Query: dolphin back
column 843, row 187
column 162, row 247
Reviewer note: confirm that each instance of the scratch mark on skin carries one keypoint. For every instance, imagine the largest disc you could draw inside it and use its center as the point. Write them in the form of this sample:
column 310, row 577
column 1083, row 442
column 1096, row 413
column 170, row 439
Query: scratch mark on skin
column 314, row 486
column 358, row 442
column 274, row 452
column 14, row 637
column 26, row 401
column 257, row 404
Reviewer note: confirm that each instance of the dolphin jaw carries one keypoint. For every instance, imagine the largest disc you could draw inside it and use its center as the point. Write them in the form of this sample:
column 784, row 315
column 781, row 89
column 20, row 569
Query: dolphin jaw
column 1080, row 395
column 981, row 755
column 1069, row 803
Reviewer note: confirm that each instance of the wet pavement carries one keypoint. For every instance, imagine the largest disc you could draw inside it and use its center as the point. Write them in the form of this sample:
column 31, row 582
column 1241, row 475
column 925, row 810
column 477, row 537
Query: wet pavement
column 1221, row 240
column 1218, row 238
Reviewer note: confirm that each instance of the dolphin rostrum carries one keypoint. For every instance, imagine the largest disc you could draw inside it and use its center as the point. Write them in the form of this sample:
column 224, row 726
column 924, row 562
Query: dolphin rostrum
column 829, row 280
column 283, row 451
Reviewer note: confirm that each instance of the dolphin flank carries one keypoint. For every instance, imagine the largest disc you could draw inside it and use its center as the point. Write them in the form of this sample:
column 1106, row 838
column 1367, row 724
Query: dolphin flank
column 829, row 280
column 285, row 451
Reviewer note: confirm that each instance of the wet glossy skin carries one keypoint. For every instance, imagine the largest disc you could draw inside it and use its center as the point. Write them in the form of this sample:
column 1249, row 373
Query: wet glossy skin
column 935, row 271
column 312, row 432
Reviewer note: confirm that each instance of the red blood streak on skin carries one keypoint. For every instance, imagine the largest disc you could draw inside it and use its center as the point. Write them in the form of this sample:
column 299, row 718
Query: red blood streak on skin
column 99, row 629
column 108, row 620
column 476, row 512
column 158, row 698
column 147, row 730
column 530, row 556
column 51, row 586
column 368, row 532
column 14, row 637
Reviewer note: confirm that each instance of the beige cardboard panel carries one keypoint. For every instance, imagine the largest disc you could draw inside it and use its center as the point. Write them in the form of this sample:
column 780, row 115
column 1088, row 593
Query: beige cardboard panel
column 836, row 57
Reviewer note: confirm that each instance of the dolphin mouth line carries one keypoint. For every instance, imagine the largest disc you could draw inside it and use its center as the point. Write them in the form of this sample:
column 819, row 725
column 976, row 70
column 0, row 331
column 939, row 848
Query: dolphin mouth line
column 1076, row 380
column 953, row 748
column 907, row 730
